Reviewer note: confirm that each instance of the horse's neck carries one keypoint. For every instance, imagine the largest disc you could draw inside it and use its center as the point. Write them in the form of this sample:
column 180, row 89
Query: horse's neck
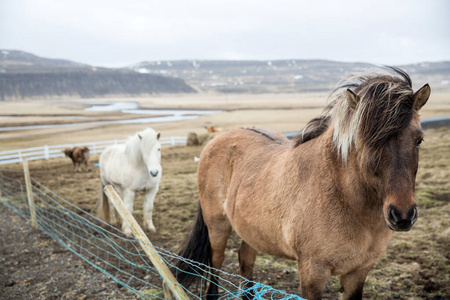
column 134, row 154
column 343, row 179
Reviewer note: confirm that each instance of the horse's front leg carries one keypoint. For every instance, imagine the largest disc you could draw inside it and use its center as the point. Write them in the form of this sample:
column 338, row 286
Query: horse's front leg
column 313, row 278
column 148, row 208
column 352, row 284
column 128, row 200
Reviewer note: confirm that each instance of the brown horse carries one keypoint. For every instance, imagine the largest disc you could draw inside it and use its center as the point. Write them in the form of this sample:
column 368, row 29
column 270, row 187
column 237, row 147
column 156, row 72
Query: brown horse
column 212, row 129
column 330, row 199
column 79, row 155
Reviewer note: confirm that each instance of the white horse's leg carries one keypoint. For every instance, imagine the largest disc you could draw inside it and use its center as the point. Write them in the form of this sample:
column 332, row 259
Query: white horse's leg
column 148, row 208
column 128, row 200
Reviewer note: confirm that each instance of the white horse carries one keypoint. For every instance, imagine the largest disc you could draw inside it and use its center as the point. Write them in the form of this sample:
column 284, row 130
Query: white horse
column 131, row 167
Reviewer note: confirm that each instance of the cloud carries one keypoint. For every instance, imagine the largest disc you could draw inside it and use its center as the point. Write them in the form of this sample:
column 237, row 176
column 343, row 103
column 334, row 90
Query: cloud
column 115, row 32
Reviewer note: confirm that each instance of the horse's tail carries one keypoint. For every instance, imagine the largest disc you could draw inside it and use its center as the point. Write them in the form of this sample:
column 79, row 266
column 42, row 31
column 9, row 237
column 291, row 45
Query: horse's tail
column 197, row 248
column 103, row 205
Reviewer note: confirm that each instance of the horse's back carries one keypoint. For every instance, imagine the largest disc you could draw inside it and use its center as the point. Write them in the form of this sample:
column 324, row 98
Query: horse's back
column 80, row 153
column 257, row 137
column 234, row 153
column 107, row 159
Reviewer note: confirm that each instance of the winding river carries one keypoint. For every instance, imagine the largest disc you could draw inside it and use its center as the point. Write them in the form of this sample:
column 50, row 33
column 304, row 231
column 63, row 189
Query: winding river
column 169, row 115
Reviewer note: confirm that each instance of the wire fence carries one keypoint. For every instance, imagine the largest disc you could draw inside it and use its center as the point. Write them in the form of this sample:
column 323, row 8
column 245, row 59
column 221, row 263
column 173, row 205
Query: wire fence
column 54, row 151
column 113, row 253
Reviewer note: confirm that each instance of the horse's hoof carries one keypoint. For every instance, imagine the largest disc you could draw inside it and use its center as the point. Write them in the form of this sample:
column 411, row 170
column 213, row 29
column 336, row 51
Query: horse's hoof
column 152, row 229
column 127, row 232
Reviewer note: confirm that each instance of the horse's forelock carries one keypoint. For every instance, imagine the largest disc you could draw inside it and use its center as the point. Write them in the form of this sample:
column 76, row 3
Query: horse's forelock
column 385, row 108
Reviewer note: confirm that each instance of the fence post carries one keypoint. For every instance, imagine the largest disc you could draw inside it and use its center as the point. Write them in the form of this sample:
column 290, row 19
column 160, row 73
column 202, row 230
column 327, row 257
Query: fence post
column 158, row 262
column 26, row 172
column 46, row 152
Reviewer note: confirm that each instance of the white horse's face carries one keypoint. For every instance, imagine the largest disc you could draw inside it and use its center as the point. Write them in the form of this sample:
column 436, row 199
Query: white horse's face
column 151, row 154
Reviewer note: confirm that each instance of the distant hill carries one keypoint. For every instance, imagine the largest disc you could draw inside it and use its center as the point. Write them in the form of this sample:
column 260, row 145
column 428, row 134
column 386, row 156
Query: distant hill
column 24, row 75
column 286, row 76
column 13, row 61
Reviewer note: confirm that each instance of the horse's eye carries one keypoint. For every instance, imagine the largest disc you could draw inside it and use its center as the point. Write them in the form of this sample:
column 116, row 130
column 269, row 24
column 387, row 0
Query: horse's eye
column 419, row 141
column 159, row 149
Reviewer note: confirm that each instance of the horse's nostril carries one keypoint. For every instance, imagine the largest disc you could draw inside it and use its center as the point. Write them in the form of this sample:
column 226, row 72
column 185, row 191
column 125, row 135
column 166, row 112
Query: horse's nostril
column 154, row 173
column 414, row 214
column 393, row 215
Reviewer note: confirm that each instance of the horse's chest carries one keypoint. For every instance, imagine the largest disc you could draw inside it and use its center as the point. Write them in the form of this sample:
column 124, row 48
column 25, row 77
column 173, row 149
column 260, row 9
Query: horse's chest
column 362, row 252
column 144, row 182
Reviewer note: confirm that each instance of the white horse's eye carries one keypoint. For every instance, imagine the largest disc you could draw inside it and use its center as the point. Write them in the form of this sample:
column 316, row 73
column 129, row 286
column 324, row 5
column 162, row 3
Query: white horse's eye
column 159, row 149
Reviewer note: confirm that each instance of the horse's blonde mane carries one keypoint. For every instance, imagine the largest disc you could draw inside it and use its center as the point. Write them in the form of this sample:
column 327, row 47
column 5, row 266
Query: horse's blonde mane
column 384, row 109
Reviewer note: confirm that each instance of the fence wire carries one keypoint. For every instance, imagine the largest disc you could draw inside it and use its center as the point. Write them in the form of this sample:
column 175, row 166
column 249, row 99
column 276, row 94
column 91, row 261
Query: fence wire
column 113, row 253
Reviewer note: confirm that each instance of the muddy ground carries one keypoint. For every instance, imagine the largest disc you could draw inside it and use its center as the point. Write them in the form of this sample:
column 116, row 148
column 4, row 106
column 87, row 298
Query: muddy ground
column 34, row 266
column 415, row 266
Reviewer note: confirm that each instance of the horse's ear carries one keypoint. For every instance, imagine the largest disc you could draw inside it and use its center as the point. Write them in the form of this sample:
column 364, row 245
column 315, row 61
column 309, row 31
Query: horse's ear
column 158, row 135
column 352, row 98
column 140, row 137
column 421, row 97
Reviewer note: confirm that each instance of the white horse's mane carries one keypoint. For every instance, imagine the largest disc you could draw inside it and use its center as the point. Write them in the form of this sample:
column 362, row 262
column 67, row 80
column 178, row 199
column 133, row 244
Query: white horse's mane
column 132, row 145
column 132, row 149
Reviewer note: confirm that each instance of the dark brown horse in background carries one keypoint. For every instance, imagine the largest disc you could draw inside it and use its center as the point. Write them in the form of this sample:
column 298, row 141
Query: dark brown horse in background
column 79, row 155
column 330, row 199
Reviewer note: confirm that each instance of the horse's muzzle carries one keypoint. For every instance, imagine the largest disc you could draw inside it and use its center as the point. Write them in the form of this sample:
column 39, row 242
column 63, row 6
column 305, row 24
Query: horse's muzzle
column 154, row 173
column 399, row 221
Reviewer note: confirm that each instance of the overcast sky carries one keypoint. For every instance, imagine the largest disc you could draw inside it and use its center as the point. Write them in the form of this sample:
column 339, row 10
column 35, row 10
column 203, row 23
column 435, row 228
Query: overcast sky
column 119, row 33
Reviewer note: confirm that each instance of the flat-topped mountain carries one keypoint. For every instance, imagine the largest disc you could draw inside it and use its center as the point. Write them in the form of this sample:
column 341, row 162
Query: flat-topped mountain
column 24, row 75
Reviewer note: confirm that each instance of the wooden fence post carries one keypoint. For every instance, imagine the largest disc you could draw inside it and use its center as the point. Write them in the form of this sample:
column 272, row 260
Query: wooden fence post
column 26, row 172
column 158, row 262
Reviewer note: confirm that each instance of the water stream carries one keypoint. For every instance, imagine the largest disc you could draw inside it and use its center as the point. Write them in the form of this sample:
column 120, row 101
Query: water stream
column 168, row 115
